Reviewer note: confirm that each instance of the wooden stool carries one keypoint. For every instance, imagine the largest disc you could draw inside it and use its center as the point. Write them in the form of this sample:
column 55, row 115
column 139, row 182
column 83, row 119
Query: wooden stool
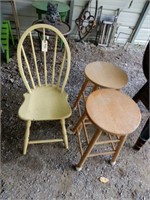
column 6, row 37
column 114, row 114
column 102, row 74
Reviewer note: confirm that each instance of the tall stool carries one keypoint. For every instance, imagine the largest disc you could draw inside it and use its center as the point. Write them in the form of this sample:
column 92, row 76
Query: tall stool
column 114, row 114
column 101, row 74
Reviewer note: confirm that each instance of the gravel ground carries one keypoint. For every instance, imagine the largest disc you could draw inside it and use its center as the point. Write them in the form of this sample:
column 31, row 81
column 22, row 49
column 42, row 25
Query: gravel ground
column 46, row 172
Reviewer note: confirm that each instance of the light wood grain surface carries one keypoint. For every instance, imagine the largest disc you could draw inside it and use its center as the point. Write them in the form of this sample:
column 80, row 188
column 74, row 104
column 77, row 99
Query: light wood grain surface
column 106, row 74
column 113, row 111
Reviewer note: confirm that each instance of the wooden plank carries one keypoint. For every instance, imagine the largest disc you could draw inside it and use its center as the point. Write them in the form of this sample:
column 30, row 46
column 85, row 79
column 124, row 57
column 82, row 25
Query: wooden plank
column 136, row 6
column 146, row 23
column 124, row 19
column 143, row 34
column 23, row 8
column 26, row 21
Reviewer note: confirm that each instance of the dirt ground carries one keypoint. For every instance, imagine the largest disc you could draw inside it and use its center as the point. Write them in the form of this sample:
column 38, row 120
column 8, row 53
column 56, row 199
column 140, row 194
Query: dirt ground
column 47, row 172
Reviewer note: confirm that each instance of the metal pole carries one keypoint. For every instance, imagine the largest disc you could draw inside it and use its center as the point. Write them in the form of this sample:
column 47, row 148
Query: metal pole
column 139, row 22
column 71, row 12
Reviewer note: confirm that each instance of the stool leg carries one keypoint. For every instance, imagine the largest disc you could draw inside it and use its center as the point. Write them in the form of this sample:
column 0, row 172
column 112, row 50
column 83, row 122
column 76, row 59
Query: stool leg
column 95, row 87
column 118, row 149
column 79, row 122
column 81, row 91
column 88, row 149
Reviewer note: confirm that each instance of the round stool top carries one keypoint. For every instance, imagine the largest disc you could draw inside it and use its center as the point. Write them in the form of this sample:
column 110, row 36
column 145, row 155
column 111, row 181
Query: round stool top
column 113, row 111
column 106, row 75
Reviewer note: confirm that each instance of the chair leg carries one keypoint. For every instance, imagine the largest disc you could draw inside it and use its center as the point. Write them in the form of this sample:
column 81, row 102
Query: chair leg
column 80, row 93
column 26, row 140
column 64, row 133
column 118, row 149
column 88, row 149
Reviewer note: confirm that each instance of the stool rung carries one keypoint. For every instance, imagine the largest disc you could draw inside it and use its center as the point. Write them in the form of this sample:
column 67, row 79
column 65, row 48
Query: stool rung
column 4, row 36
column 4, row 32
column 107, row 142
column 100, row 154
column 4, row 47
column 4, row 42
column 88, row 123
column 83, row 125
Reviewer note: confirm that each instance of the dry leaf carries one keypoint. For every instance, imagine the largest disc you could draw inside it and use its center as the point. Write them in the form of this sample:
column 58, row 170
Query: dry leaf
column 104, row 180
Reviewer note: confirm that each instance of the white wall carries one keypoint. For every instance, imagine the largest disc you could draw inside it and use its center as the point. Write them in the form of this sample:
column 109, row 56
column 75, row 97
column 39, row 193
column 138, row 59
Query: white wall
column 26, row 12
column 144, row 33
column 126, row 20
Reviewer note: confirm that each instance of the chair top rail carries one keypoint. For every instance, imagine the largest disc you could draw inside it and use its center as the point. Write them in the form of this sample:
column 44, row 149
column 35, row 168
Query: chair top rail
column 21, row 51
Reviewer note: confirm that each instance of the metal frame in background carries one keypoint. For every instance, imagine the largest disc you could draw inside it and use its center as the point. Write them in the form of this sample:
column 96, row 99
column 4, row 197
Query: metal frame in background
column 105, row 27
column 139, row 22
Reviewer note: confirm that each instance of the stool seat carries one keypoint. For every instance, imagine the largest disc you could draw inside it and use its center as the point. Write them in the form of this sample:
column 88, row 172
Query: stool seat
column 113, row 112
column 106, row 75
column 101, row 74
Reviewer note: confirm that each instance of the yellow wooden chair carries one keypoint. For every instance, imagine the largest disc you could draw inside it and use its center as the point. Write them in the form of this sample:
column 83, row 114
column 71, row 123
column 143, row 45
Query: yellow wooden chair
column 44, row 70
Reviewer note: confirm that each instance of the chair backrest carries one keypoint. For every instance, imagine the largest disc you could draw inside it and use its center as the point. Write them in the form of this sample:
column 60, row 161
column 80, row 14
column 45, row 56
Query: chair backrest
column 40, row 60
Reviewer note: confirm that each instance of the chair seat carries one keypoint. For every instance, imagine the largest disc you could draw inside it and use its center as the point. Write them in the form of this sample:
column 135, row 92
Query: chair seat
column 45, row 103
